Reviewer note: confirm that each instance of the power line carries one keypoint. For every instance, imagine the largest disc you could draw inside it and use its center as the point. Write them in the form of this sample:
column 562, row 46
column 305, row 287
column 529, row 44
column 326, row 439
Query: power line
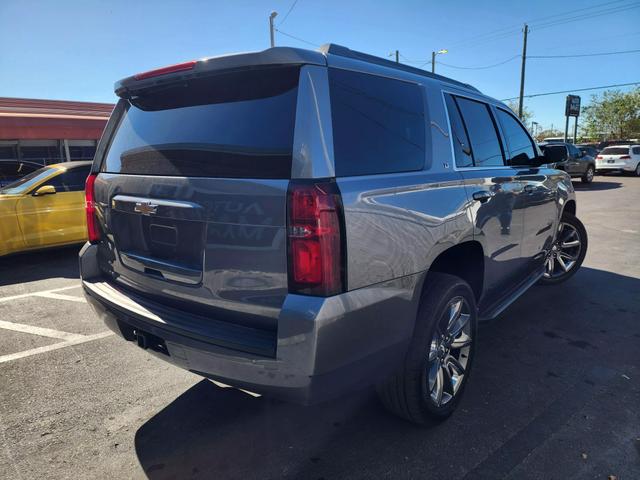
column 573, row 90
column 297, row 38
column 513, row 30
column 586, row 16
column 584, row 54
column 510, row 59
column 288, row 12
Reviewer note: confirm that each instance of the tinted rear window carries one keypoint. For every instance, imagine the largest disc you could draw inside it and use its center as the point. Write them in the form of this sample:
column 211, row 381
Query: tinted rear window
column 378, row 124
column 615, row 151
column 231, row 125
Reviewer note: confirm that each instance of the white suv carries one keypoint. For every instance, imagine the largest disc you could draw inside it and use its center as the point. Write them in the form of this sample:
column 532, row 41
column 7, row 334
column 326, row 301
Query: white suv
column 619, row 158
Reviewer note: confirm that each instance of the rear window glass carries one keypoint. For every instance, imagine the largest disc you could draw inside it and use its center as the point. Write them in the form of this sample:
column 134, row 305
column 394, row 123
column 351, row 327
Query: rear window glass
column 378, row 124
column 615, row 151
column 230, row 125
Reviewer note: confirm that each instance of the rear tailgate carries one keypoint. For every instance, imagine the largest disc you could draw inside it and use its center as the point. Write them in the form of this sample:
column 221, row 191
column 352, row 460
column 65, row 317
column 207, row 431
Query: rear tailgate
column 191, row 194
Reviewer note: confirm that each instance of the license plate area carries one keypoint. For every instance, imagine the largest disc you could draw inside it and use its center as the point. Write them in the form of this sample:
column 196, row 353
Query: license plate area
column 611, row 161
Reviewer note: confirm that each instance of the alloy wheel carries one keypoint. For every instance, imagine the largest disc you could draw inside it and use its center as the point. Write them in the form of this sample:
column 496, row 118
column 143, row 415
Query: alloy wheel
column 449, row 352
column 590, row 175
column 564, row 253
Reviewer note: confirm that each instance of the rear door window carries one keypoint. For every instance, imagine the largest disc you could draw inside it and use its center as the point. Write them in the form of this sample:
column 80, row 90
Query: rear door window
column 519, row 144
column 237, row 124
column 461, row 147
column 378, row 124
column 636, row 150
column 481, row 129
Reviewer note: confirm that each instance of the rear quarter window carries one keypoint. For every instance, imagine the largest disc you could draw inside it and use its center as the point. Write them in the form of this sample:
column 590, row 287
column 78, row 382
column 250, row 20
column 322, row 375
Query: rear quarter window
column 378, row 124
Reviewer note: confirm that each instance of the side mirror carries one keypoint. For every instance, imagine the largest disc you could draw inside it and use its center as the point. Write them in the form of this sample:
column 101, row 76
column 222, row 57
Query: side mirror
column 44, row 190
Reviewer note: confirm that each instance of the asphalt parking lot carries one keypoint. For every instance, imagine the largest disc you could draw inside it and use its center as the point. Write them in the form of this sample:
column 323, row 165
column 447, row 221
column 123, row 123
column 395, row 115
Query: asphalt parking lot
column 554, row 393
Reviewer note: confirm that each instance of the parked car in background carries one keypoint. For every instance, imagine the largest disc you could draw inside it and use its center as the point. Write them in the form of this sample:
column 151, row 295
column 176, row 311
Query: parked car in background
column 44, row 209
column 567, row 157
column 300, row 224
column 588, row 149
column 12, row 170
column 619, row 158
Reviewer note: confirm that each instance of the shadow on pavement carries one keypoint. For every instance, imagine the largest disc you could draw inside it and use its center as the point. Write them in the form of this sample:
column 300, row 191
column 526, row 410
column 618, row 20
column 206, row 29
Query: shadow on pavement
column 597, row 185
column 40, row 265
column 536, row 367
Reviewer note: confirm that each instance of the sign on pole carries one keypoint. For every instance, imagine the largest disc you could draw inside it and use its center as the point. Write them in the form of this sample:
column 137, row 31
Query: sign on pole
column 572, row 108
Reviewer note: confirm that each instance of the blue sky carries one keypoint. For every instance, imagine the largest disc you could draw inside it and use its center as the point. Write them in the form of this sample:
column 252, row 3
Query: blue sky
column 77, row 49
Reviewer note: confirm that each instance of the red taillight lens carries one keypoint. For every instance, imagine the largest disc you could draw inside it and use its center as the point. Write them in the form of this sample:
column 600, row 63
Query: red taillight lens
column 599, row 157
column 315, row 233
column 93, row 230
column 625, row 157
column 178, row 67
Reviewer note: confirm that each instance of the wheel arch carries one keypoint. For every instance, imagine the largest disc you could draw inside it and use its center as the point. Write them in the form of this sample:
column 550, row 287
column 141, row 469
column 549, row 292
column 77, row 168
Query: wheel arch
column 570, row 207
column 464, row 260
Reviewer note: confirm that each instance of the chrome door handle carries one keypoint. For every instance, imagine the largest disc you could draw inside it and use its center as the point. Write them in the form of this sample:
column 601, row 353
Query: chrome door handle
column 482, row 196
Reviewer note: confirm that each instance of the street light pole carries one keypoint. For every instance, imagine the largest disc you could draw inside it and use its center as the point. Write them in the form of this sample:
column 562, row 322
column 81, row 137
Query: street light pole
column 271, row 28
column 433, row 58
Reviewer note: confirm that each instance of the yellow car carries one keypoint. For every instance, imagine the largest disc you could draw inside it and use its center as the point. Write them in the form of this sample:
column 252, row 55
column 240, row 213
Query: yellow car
column 44, row 208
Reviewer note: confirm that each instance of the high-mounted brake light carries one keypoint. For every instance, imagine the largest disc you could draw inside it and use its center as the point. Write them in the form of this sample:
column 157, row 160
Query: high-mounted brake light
column 315, row 234
column 178, row 67
column 93, row 231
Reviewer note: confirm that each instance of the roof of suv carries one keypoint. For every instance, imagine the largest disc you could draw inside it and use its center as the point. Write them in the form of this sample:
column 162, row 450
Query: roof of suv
column 272, row 56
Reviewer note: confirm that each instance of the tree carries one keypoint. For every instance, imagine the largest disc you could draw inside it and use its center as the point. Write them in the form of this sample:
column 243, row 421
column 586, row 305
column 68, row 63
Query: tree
column 549, row 133
column 527, row 114
column 613, row 114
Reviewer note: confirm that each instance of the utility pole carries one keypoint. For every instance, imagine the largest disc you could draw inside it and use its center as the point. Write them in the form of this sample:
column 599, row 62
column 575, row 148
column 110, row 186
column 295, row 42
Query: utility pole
column 575, row 131
column 397, row 56
column 433, row 62
column 271, row 28
column 524, row 61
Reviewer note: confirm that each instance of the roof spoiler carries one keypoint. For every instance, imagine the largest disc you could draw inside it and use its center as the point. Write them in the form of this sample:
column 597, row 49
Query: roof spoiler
column 130, row 86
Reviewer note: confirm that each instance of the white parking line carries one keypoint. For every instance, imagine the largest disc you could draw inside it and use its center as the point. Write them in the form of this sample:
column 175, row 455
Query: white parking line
column 42, row 293
column 55, row 346
column 59, row 296
column 43, row 332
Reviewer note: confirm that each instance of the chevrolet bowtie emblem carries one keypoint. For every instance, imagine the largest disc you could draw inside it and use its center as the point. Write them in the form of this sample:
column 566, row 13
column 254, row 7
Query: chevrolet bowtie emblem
column 145, row 208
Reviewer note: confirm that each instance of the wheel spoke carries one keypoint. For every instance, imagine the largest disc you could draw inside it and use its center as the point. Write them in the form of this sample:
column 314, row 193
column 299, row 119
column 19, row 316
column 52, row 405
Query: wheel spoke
column 572, row 243
column 550, row 265
column 433, row 352
column 454, row 312
column 453, row 362
column 456, row 327
column 561, row 262
column 438, row 388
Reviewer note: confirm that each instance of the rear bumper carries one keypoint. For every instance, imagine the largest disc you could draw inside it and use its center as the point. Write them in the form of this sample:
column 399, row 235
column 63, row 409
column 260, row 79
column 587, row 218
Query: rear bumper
column 323, row 347
column 616, row 167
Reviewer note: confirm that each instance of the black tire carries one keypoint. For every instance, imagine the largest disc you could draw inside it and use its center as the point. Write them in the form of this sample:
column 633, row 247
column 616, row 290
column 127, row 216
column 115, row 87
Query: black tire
column 588, row 175
column 406, row 393
column 573, row 221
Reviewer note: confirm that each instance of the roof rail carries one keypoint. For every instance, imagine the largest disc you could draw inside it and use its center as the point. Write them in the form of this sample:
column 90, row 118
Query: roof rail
column 339, row 50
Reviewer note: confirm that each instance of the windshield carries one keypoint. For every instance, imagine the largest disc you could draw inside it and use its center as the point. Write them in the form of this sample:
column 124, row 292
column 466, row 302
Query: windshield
column 26, row 182
column 615, row 151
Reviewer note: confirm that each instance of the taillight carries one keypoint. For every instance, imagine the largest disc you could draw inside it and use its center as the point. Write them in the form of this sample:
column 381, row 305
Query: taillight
column 315, row 234
column 178, row 67
column 625, row 157
column 93, row 230
column 599, row 157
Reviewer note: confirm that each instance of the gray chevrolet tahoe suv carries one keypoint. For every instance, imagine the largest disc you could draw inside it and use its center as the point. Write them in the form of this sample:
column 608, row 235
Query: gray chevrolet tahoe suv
column 303, row 223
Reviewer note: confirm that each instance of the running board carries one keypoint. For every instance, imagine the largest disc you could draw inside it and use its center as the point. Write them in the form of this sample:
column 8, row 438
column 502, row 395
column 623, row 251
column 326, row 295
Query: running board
column 497, row 309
